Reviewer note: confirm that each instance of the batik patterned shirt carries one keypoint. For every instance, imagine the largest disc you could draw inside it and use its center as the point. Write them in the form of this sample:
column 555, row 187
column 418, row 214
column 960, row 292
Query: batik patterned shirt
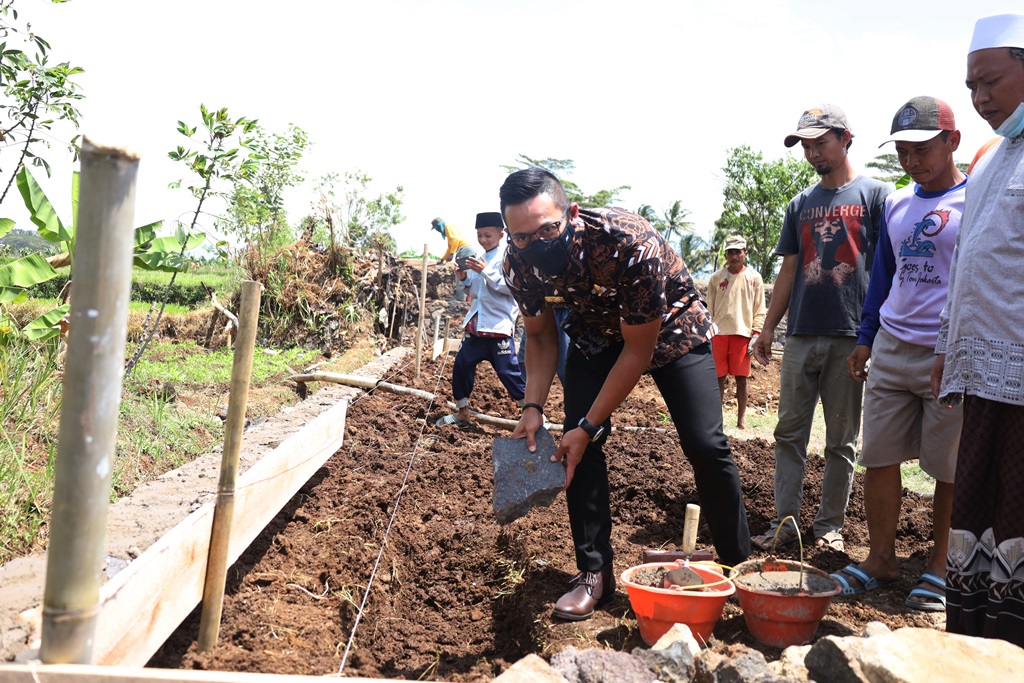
column 621, row 271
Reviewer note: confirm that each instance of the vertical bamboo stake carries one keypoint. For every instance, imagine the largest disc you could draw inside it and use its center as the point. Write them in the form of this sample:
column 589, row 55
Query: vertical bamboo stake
column 395, row 293
column 447, row 332
column 92, row 396
column 423, row 307
column 223, row 513
column 380, row 265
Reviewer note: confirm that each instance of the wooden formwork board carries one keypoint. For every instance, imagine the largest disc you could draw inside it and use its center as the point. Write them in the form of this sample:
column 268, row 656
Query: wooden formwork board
column 80, row 673
column 143, row 604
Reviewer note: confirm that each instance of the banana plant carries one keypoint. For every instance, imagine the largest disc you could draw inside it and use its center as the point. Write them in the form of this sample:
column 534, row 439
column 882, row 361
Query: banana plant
column 151, row 253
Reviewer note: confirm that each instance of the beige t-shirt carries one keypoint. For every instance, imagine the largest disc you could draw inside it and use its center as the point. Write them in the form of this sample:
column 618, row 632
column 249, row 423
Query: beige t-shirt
column 736, row 301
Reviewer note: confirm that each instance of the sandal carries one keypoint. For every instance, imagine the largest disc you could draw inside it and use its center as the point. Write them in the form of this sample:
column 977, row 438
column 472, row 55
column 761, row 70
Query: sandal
column 833, row 540
column 927, row 599
column 451, row 420
column 865, row 582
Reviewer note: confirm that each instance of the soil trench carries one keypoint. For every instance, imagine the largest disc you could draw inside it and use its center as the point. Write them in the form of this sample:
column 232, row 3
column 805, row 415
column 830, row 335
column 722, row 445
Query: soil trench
column 457, row 597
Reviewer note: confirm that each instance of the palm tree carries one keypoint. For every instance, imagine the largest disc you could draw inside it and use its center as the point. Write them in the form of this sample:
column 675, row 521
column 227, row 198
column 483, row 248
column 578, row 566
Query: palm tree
column 696, row 253
column 674, row 223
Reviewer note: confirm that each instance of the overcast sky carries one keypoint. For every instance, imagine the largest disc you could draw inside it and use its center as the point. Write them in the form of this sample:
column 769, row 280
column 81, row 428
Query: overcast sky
column 434, row 95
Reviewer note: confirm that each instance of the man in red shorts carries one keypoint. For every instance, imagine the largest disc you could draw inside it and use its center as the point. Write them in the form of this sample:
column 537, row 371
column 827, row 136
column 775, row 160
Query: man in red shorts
column 736, row 304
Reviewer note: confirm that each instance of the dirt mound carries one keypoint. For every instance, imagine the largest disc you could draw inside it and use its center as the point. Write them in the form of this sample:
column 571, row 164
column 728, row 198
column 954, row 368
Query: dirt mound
column 458, row 597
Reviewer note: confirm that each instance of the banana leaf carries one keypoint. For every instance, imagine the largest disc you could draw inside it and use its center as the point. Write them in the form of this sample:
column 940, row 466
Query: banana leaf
column 45, row 326
column 26, row 271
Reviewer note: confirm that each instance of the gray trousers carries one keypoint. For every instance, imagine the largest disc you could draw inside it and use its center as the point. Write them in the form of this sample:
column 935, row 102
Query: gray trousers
column 814, row 366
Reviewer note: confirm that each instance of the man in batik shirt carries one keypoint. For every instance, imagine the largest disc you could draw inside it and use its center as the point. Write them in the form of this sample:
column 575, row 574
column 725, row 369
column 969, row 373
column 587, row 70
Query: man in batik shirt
column 633, row 309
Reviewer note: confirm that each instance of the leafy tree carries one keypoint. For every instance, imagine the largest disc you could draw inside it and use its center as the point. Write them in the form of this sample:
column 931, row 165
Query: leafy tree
column 887, row 167
column 222, row 157
column 672, row 225
column 36, row 96
column 696, row 253
column 217, row 162
column 357, row 219
column 756, row 194
column 255, row 211
column 563, row 168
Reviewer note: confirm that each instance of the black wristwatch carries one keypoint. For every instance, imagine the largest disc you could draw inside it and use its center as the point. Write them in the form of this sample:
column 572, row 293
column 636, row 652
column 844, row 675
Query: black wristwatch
column 594, row 432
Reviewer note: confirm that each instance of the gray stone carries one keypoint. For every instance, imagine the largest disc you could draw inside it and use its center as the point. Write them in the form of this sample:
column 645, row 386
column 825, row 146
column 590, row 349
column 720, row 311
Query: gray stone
column 682, row 635
column 836, row 660
column 924, row 655
column 523, row 479
column 790, row 664
column 601, row 666
column 875, row 628
column 741, row 665
column 672, row 664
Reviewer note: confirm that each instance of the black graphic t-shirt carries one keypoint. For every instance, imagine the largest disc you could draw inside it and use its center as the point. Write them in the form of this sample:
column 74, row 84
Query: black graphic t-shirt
column 834, row 232
column 621, row 271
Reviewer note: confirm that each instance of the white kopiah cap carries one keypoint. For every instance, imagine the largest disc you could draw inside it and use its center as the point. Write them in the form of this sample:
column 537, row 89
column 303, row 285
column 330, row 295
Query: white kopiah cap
column 1000, row 30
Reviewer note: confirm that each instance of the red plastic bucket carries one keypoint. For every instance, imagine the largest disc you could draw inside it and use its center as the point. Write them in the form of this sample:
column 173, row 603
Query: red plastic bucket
column 657, row 609
column 782, row 618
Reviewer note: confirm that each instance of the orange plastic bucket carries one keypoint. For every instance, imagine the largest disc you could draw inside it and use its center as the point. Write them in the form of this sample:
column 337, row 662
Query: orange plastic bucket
column 782, row 618
column 657, row 609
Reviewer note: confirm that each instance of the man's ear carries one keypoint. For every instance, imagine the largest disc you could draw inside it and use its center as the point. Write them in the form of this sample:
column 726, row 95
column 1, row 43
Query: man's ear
column 954, row 140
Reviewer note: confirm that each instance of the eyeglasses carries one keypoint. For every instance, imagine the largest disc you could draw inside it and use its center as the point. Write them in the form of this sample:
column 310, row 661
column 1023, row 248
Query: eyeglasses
column 545, row 233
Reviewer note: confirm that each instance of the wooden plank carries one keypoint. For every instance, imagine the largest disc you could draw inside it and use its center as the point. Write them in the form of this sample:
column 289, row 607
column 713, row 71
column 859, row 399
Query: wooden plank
column 81, row 673
column 147, row 601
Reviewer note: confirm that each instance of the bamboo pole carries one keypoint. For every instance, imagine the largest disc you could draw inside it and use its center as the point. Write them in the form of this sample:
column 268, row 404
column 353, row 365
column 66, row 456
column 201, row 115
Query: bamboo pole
column 91, row 399
column 220, row 537
column 423, row 308
column 447, row 332
column 395, row 289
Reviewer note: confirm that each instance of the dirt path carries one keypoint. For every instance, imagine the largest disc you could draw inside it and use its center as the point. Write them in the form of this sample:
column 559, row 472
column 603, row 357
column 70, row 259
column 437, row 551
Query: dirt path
column 457, row 597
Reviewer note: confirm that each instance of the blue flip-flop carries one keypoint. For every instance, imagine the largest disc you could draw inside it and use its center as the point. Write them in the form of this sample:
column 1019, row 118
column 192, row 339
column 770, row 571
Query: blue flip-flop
column 936, row 600
column 867, row 582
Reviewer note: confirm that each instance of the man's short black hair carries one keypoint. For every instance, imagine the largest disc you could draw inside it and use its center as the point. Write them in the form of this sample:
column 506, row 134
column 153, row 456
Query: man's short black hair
column 839, row 134
column 524, row 185
column 1017, row 52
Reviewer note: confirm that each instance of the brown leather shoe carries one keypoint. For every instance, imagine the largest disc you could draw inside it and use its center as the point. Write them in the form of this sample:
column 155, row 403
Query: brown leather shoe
column 592, row 589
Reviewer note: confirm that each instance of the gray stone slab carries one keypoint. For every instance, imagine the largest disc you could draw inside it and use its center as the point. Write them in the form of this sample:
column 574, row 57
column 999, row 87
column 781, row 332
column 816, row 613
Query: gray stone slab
column 523, row 479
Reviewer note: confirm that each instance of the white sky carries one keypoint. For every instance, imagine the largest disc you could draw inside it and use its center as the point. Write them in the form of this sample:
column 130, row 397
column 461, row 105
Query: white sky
column 434, row 95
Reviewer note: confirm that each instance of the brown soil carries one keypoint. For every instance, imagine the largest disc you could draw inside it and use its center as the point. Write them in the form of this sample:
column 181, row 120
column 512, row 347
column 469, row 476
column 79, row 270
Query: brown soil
column 457, row 597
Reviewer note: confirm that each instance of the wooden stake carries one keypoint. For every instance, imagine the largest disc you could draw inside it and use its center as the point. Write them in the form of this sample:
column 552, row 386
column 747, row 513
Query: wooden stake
column 92, row 397
column 241, row 374
column 423, row 308
column 396, row 288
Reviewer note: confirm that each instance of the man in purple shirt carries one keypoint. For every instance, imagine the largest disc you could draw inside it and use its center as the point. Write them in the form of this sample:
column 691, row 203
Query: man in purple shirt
column 899, row 327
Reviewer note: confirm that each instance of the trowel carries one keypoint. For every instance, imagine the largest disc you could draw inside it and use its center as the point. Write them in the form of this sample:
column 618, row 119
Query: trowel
column 684, row 576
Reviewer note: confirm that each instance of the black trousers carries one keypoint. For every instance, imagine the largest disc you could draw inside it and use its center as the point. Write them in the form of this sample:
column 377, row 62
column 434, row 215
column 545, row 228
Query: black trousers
column 689, row 386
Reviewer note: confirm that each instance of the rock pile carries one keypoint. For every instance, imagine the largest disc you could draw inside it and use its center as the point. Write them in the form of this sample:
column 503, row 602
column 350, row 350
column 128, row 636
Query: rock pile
column 907, row 655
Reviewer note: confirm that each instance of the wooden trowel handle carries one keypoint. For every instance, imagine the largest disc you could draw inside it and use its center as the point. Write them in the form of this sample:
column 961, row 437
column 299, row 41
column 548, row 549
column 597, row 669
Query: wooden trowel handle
column 690, row 522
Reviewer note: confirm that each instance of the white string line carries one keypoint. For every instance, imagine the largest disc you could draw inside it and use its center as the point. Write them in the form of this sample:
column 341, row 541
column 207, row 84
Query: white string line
column 394, row 514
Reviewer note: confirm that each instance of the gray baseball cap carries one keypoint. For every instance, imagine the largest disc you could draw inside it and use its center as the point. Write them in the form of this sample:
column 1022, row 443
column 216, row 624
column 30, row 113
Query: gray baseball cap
column 817, row 121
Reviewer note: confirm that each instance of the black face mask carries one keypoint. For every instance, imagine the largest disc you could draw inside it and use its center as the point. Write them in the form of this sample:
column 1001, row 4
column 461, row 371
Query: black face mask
column 550, row 256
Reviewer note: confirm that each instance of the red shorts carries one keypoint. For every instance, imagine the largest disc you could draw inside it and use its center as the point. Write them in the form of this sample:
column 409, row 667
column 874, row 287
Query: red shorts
column 731, row 358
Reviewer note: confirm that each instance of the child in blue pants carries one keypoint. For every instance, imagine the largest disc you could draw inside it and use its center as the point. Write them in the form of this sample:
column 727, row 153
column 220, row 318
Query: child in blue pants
column 490, row 323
